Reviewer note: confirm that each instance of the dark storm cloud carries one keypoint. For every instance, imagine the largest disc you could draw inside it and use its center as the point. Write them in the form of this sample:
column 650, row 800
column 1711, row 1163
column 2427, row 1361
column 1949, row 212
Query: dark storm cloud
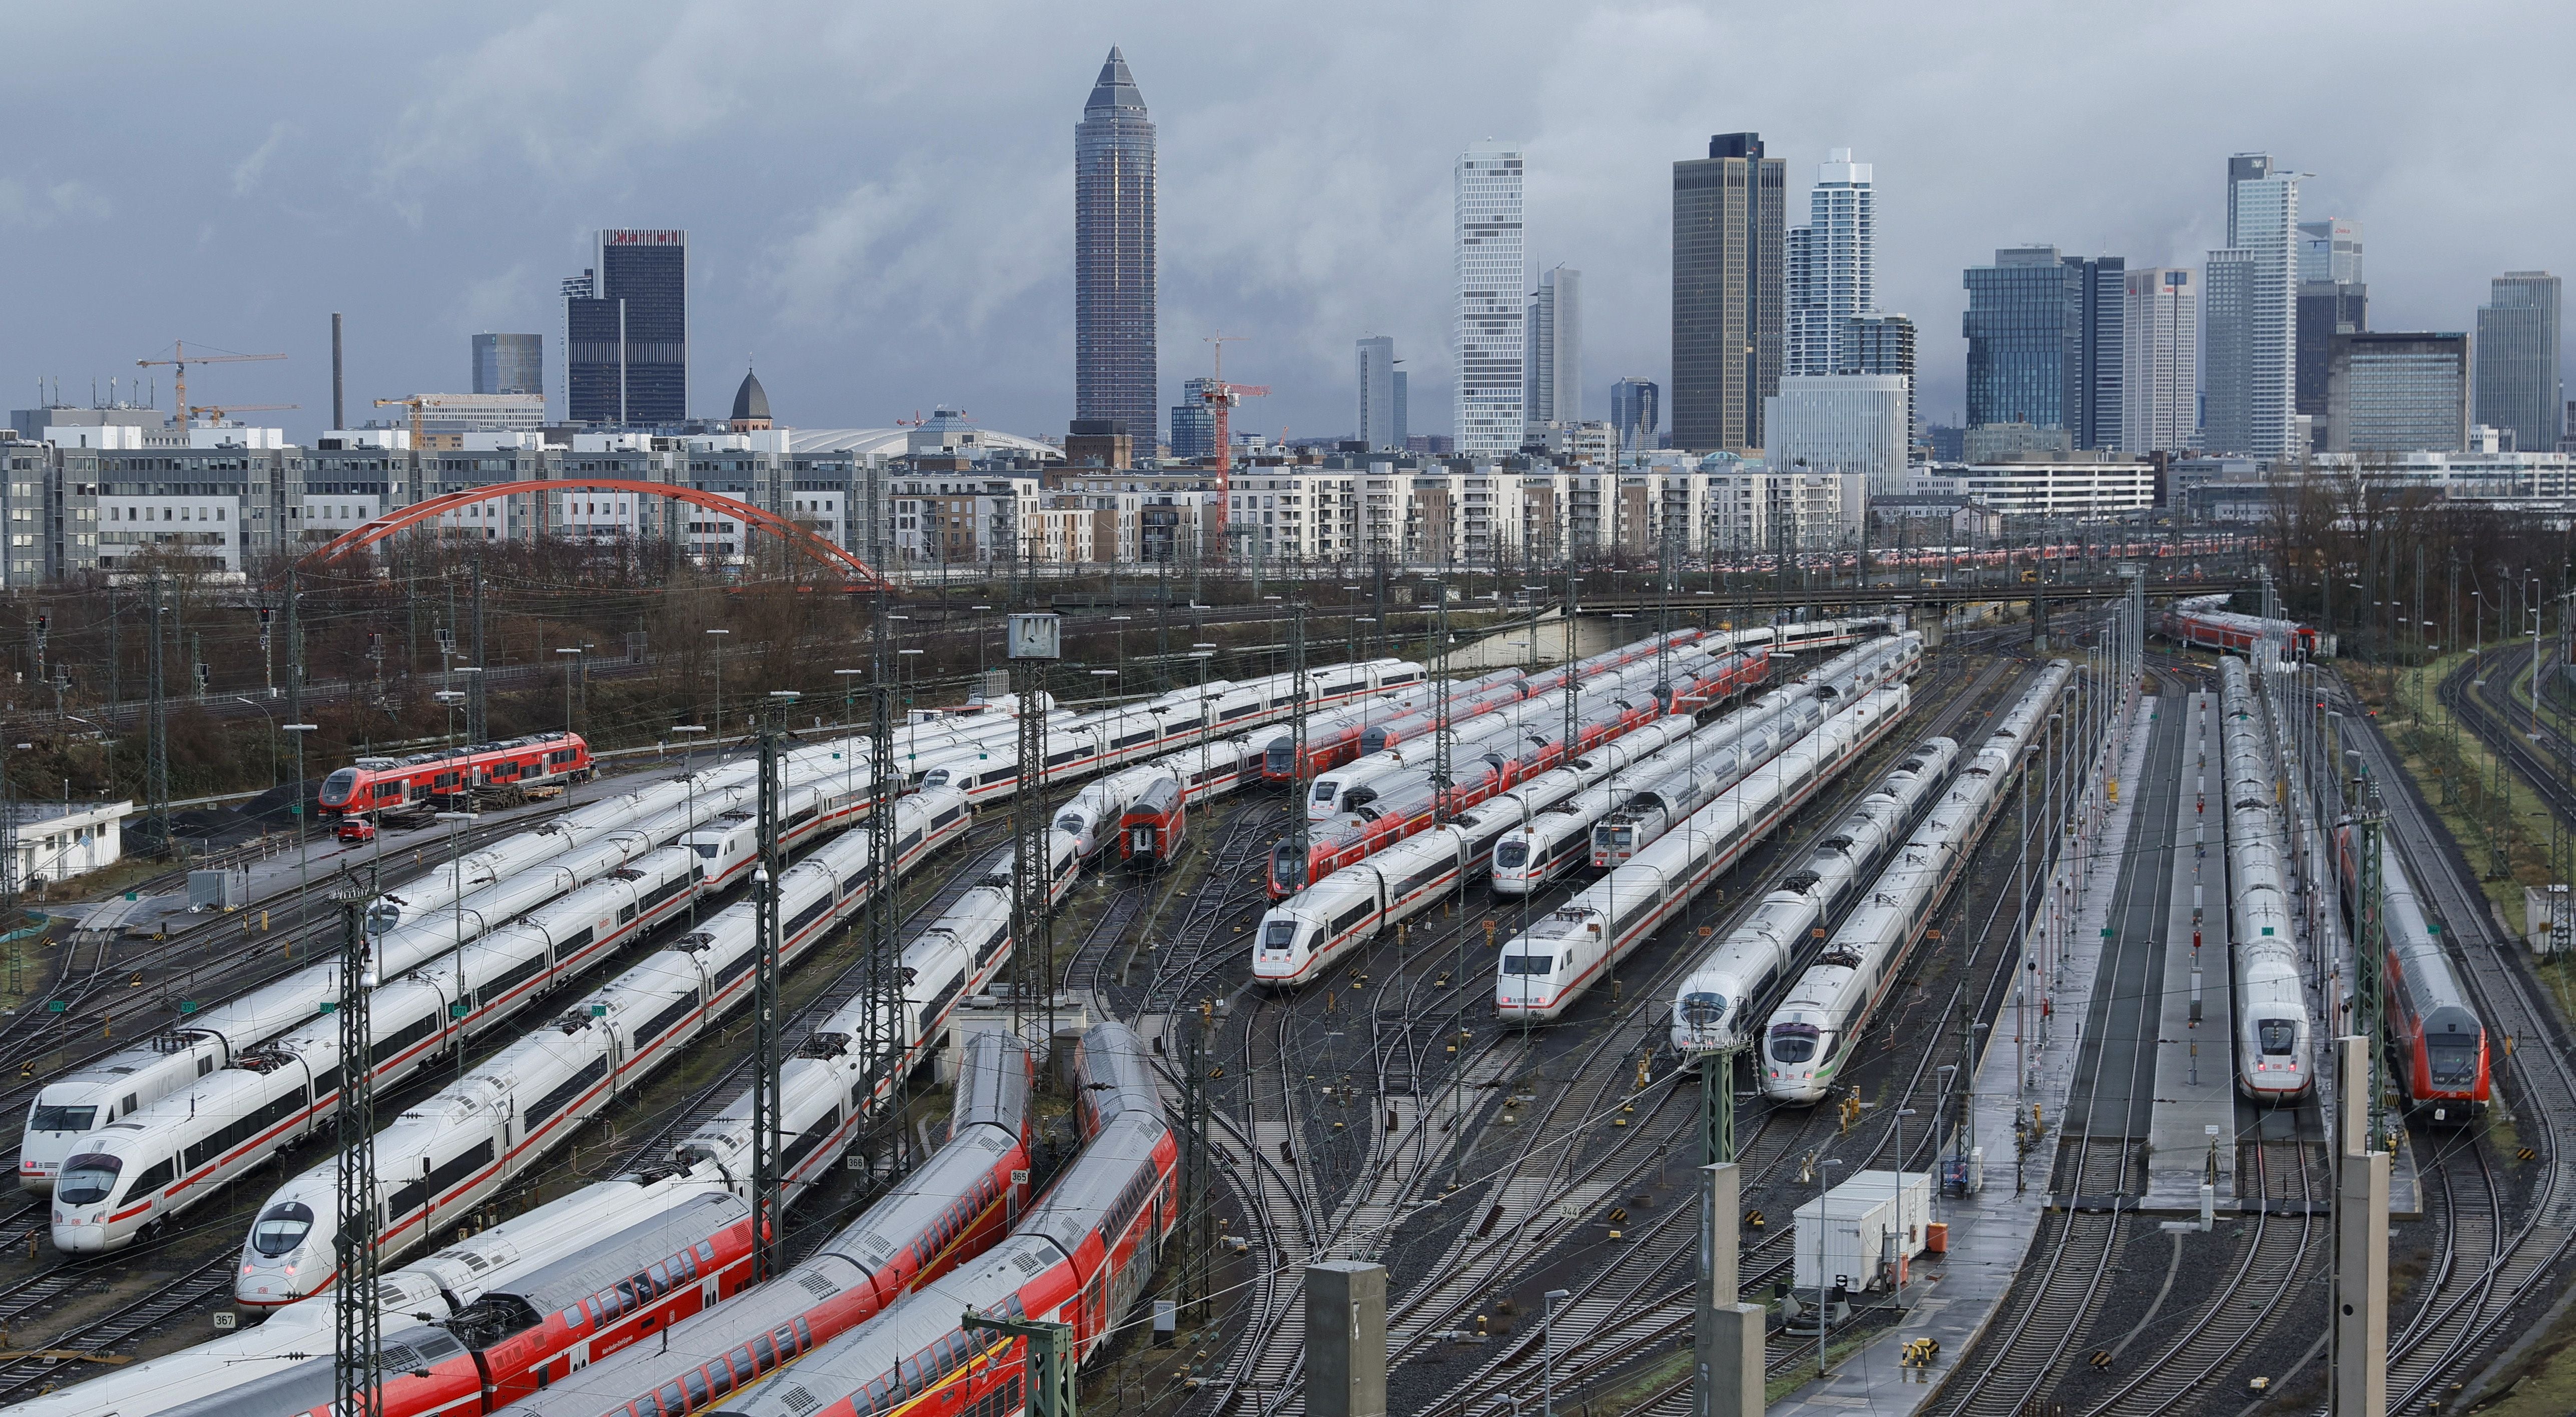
column 879, row 201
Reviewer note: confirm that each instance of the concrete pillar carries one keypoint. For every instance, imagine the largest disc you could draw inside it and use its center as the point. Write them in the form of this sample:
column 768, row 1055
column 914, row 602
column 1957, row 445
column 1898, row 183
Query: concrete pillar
column 1726, row 1335
column 1345, row 1339
column 2361, row 1248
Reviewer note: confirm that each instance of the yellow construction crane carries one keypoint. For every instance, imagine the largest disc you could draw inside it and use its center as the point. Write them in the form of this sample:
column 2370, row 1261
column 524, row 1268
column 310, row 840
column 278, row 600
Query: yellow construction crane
column 180, row 359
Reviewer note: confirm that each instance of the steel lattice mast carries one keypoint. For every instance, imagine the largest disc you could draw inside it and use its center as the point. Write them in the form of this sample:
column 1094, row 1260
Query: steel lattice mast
column 358, row 1337
column 767, row 1211
column 882, row 1045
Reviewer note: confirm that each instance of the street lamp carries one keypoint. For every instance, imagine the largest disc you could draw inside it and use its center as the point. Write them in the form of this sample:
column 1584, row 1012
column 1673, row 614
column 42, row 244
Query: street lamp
column 686, row 755
column 457, row 1007
column 1547, row 1349
column 272, row 736
column 575, row 652
column 718, row 717
column 302, row 867
column 849, row 696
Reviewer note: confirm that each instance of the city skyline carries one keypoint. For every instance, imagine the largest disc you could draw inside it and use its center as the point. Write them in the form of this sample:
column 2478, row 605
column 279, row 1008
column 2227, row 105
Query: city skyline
column 835, row 243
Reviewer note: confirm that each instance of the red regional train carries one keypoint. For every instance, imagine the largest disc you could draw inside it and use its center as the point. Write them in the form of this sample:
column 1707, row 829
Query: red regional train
column 2435, row 1038
column 2216, row 629
column 373, row 785
column 1151, row 832
column 1082, row 1257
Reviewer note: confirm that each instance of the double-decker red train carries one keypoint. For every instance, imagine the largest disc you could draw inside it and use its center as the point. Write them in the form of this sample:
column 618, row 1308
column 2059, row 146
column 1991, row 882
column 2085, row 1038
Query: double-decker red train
column 373, row 785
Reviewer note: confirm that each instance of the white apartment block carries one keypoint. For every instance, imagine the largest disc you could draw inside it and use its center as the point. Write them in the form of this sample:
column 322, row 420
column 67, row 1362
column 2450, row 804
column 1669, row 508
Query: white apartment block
column 2071, row 487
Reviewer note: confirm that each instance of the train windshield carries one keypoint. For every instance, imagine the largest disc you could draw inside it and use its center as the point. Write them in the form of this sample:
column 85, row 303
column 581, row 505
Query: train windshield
column 2453, row 1061
column 1278, row 934
column 88, row 1178
column 2277, row 1036
column 1324, row 791
column 1529, row 964
column 281, row 1228
column 61, row 1119
column 1278, row 756
column 1703, row 1010
column 1793, row 1042
column 1512, row 855
column 338, row 786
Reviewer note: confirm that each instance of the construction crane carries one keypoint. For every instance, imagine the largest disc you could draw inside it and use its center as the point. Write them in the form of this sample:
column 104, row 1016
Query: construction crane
column 180, row 359
column 1221, row 398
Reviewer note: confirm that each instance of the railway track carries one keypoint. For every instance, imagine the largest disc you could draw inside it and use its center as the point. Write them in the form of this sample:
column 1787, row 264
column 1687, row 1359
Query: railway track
column 2482, row 1286
column 1543, row 1193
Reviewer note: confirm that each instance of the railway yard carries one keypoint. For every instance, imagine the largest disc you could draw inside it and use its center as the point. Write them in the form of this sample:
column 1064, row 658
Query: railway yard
column 2073, row 1020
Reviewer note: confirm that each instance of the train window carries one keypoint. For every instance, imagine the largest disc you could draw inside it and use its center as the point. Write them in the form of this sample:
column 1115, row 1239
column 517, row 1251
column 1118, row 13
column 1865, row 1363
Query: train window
column 1793, row 1042
column 2453, row 1061
column 767, row 1350
column 1278, row 934
column 61, row 1119
column 1529, row 964
column 1512, row 855
column 697, row 1382
column 281, row 1228
column 2276, row 1036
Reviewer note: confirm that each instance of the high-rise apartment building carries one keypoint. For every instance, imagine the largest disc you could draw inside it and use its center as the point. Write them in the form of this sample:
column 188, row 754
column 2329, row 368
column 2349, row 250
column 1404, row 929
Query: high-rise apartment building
column 2330, row 250
column 1380, row 423
column 626, row 330
column 509, row 364
column 1884, row 344
column 1636, row 413
column 2160, row 363
column 2046, row 337
column 2393, row 392
column 2252, row 314
column 1114, row 351
column 1491, row 336
column 1729, row 292
column 1830, row 278
column 1555, row 392
column 2518, row 389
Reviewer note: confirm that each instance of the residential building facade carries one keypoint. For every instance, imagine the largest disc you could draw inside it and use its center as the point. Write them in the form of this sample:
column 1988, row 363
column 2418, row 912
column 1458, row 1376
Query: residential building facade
column 1831, row 268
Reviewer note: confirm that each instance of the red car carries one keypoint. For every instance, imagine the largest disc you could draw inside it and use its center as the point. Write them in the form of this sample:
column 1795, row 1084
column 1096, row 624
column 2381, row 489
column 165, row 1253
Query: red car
column 356, row 830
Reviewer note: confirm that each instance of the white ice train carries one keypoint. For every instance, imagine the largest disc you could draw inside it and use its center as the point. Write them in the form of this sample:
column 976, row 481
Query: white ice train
column 1714, row 1003
column 446, row 1154
column 1811, row 1034
column 1347, row 788
column 1560, row 838
column 178, row 1151
column 1305, row 935
column 1803, row 635
column 1541, row 973
column 2275, row 1038
column 498, row 882
column 1135, row 732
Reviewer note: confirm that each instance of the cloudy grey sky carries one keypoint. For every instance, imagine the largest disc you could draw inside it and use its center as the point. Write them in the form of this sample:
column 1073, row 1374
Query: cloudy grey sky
column 879, row 200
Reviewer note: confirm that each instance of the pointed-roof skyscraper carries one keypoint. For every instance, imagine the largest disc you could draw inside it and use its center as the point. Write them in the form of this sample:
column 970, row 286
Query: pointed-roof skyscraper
column 1114, row 366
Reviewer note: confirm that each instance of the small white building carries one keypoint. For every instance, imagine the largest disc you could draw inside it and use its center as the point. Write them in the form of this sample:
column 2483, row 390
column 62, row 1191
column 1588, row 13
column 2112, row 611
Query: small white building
column 57, row 841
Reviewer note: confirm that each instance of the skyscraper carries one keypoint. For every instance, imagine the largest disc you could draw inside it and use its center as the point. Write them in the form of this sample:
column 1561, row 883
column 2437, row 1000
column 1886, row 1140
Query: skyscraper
column 1403, row 410
column 1831, row 276
column 1556, row 348
column 2327, row 308
column 1635, row 412
column 2518, row 389
column 509, row 364
column 626, row 330
column 1379, row 425
column 1114, row 364
column 1884, row 344
column 1728, row 293
column 1491, row 336
column 2046, row 339
column 2160, row 368
column 2330, row 250
column 2252, row 314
